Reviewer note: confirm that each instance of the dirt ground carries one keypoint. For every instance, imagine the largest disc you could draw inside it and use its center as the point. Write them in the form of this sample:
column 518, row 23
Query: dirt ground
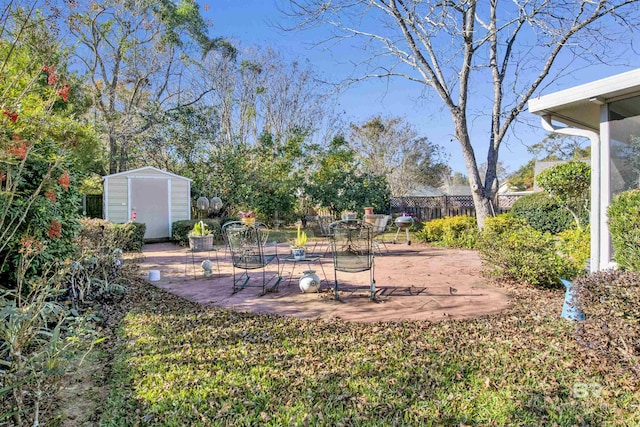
column 413, row 282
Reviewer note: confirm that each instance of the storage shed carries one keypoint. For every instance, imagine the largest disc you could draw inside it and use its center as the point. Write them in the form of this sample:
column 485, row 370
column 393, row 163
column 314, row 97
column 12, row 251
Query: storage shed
column 147, row 195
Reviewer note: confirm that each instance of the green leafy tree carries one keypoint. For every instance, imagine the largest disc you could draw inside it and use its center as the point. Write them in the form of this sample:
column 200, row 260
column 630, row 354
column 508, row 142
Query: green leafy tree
column 569, row 183
column 262, row 178
column 556, row 146
column 338, row 184
column 522, row 179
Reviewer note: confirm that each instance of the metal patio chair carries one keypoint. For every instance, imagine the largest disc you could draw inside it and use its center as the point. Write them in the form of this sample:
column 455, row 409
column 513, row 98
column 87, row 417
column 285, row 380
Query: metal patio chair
column 352, row 249
column 249, row 251
column 320, row 226
column 379, row 224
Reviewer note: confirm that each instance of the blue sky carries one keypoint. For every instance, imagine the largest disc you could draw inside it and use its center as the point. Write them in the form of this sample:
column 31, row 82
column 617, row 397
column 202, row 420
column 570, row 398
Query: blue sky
column 251, row 23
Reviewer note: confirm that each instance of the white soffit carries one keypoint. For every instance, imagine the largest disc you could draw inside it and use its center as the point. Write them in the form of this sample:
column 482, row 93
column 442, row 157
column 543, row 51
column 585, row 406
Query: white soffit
column 580, row 105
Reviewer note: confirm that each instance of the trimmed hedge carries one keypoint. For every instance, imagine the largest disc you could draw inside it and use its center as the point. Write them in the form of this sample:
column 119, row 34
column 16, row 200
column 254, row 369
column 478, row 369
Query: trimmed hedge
column 181, row 229
column 543, row 213
column 624, row 225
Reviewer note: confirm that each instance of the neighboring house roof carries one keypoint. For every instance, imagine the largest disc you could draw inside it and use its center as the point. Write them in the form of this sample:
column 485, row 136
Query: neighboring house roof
column 456, row 190
column 424, row 191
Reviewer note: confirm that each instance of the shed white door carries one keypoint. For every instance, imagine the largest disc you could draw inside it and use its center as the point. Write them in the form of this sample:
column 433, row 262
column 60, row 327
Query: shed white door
column 150, row 201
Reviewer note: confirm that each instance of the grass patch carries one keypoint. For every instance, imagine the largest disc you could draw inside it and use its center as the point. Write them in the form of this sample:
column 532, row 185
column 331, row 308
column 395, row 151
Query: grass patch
column 178, row 363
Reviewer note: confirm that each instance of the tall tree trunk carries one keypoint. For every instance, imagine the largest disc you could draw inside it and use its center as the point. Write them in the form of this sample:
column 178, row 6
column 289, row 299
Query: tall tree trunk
column 482, row 198
column 113, row 154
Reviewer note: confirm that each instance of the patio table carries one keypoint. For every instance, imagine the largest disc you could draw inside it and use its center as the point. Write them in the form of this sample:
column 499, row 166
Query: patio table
column 309, row 259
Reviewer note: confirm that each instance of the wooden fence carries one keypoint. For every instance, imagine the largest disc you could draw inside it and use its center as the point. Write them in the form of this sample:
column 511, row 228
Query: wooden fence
column 428, row 208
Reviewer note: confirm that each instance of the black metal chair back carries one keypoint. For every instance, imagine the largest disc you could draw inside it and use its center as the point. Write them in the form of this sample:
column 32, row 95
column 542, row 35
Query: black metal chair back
column 249, row 251
column 352, row 249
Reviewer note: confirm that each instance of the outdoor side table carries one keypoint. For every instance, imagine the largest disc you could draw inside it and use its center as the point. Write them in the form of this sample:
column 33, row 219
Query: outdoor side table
column 199, row 255
column 309, row 259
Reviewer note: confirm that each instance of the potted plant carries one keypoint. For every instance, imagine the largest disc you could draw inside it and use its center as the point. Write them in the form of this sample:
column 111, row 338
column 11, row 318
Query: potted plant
column 247, row 218
column 200, row 237
column 349, row 215
column 298, row 248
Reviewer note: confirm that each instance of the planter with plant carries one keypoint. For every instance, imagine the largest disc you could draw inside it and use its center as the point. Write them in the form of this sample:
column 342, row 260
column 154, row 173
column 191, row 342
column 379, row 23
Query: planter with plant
column 298, row 248
column 247, row 218
column 200, row 237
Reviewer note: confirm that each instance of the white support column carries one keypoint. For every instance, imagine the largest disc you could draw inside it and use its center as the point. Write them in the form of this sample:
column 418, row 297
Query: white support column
column 605, row 186
column 169, row 203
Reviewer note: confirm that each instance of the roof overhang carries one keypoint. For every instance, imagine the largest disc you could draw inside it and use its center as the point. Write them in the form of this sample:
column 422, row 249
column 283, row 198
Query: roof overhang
column 579, row 106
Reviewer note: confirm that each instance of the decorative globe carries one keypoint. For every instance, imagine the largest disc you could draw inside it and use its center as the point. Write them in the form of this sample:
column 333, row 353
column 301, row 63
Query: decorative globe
column 310, row 282
column 202, row 203
column 215, row 204
column 207, row 266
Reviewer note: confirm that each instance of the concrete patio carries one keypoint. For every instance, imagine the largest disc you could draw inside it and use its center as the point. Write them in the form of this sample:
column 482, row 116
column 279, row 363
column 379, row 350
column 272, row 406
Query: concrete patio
column 413, row 282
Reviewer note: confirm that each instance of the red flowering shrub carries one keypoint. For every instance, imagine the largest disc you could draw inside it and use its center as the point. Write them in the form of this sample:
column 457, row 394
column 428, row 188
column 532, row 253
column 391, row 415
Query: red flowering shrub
column 19, row 150
column 12, row 116
column 51, row 195
column 55, row 230
column 64, row 180
column 53, row 78
column 64, row 92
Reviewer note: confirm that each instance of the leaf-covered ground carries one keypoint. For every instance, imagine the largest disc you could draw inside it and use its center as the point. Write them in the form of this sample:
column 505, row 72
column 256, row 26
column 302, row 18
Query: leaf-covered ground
column 177, row 363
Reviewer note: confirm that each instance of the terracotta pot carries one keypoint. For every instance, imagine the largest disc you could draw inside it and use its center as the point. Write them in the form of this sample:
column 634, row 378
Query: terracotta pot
column 368, row 211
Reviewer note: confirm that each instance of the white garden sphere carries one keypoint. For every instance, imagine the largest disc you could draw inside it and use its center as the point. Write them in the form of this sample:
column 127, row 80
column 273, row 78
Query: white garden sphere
column 310, row 282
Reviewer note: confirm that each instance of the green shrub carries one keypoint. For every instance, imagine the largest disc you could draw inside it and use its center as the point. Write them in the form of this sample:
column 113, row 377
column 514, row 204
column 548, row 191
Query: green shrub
column 452, row 232
column 543, row 213
column 460, row 232
column 624, row 225
column 132, row 234
column 181, row 229
column 432, row 231
column 128, row 236
column 611, row 329
column 516, row 251
column 576, row 244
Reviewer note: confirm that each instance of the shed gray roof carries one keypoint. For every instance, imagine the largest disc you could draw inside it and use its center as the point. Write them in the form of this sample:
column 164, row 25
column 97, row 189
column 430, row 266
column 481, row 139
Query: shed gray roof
column 146, row 168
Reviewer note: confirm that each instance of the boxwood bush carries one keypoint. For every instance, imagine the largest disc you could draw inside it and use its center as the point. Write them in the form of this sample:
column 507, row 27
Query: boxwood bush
column 515, row 251
column 181, row 229
column 543, row 213
column 624, row 225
